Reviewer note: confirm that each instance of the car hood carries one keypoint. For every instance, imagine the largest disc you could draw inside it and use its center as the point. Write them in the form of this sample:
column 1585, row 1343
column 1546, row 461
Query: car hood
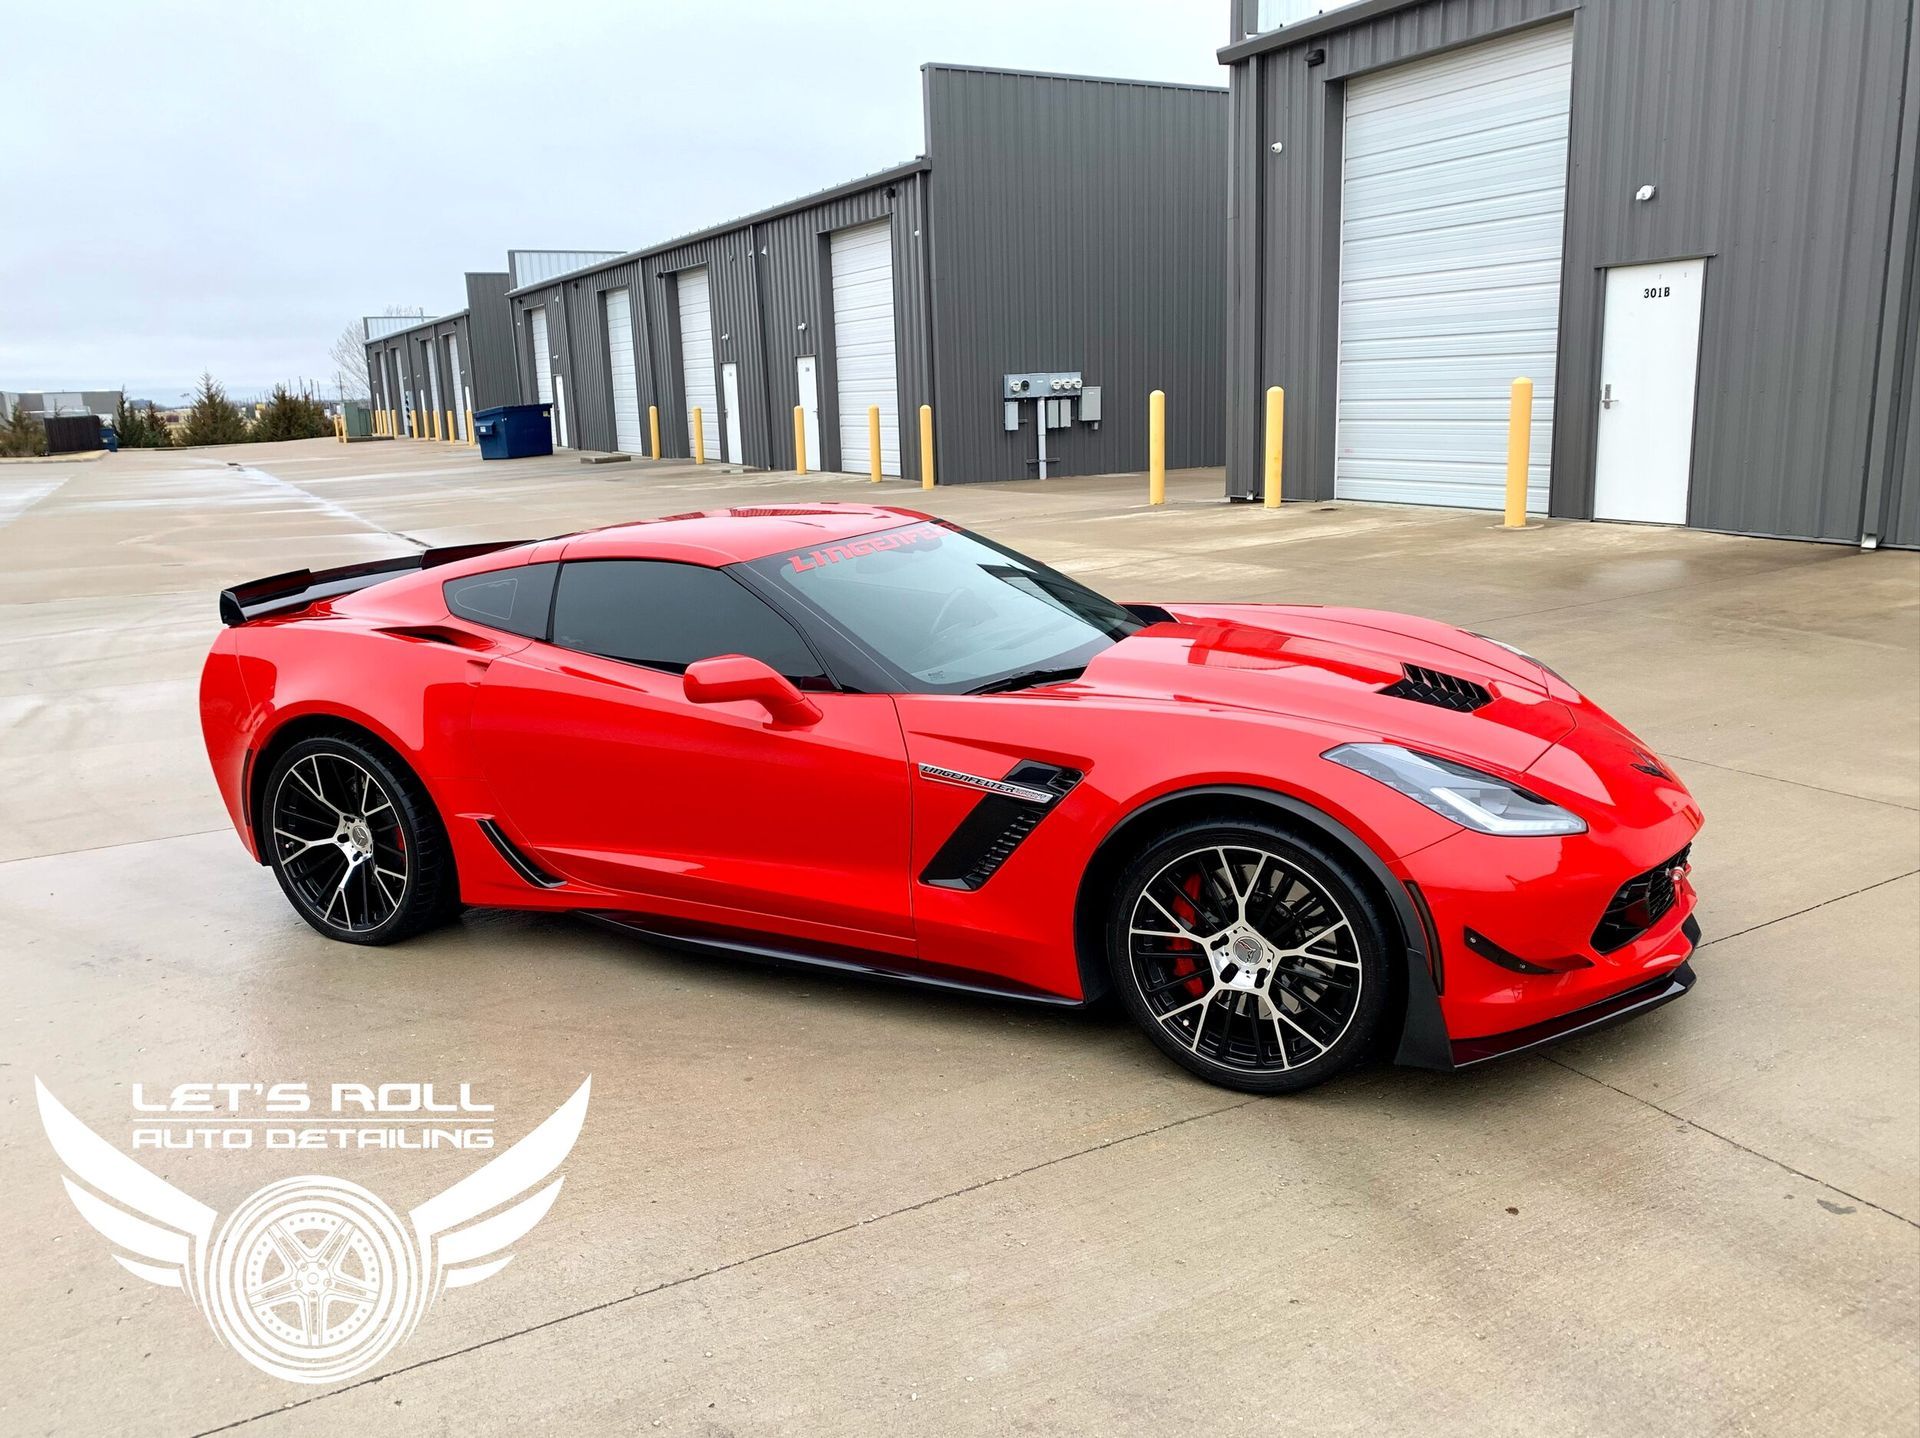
column 1329, row 667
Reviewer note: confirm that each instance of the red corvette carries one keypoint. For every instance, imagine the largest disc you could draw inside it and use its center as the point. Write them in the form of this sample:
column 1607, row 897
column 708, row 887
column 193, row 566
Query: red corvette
column 862, row 738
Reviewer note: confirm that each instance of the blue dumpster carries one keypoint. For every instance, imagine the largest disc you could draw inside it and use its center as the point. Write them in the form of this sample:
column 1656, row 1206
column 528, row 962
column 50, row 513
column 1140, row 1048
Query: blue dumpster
column 514, row 431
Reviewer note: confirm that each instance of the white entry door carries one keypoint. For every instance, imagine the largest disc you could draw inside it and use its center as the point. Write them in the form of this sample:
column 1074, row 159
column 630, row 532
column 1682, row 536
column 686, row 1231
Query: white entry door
column 626, row 389
column 696, row 358
column 806, row 373
column 865, row 370
column 1649, row 361
column 542, row 361
column 730, row 388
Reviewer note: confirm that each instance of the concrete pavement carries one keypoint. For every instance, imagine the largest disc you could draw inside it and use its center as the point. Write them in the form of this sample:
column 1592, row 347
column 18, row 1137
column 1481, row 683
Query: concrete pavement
column 805, row 1205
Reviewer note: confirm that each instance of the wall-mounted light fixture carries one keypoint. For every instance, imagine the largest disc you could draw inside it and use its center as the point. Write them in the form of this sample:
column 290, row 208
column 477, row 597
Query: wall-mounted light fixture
column 1645, row 193
column 1277, row 146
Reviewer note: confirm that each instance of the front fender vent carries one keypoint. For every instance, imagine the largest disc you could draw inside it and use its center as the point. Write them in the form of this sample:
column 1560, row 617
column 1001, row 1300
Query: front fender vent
column 1443, row 691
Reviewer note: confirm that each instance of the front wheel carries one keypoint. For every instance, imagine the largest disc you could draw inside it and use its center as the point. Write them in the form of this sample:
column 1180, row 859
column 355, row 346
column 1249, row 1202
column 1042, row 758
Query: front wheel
column 1252, row 958
column 355, row 842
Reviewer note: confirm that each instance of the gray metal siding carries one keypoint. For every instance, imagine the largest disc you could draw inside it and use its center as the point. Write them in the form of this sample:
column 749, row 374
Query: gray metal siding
column 760, row 303
column 489, row 339
column 1770, row 128
column 592, row 374
column 796, row 289
column 1077, row 224
column 1903, row 509
column 559, row 342
column 1776, row 159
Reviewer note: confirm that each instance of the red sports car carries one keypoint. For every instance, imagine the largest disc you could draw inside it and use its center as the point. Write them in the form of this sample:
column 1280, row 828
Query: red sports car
column 862, row 738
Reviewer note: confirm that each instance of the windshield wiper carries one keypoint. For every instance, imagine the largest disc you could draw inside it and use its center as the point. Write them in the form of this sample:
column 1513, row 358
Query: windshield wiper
column 1028, row 678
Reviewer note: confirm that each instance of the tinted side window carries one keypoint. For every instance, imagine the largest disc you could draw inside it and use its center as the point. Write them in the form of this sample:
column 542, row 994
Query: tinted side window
column 516, row 600
column 668, row 615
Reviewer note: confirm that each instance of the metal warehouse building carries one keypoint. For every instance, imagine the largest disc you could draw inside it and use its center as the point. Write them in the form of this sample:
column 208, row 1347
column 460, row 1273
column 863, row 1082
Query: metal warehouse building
column 1691, row 224
column 1056, row 254
column 431, row 375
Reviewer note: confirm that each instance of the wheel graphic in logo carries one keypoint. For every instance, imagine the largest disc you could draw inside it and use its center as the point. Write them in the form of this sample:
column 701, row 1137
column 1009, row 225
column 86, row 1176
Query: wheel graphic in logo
column 314, row 1279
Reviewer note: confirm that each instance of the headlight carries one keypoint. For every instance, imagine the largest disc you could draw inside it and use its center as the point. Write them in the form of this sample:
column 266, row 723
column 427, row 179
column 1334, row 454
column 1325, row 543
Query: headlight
column 1471, row 799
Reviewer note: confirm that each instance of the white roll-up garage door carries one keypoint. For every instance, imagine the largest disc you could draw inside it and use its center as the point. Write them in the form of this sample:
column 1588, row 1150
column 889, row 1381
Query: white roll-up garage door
column 696, row 358
column 626, row 387
column 865, row 371
column 542, row 359
column 1452, row 208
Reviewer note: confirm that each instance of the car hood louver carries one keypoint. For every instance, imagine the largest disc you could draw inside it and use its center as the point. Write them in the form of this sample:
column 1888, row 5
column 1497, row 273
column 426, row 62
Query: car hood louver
column 1443, row 691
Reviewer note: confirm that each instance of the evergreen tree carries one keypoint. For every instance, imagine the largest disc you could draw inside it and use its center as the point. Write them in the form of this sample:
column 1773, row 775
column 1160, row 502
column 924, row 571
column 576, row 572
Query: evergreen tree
column 23, row 434
column 214, row 419
column 133, row 425
column 287, row 415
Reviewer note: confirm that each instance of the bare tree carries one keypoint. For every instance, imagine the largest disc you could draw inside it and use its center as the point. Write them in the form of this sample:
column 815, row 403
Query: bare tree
column 349, row 353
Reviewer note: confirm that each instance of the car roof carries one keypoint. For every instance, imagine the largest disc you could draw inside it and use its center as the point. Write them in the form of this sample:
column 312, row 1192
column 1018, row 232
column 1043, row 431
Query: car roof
column 733, row 536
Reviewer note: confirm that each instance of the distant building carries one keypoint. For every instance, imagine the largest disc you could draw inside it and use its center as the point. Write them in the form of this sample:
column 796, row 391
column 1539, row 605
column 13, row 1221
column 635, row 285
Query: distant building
column 101, row 402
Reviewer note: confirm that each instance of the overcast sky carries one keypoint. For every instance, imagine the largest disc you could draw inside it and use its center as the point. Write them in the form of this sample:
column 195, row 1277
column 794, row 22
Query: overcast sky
column 226, row 186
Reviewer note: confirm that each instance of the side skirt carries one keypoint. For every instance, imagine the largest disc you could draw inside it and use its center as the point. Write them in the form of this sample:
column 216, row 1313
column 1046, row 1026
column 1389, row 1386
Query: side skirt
column 853, row 963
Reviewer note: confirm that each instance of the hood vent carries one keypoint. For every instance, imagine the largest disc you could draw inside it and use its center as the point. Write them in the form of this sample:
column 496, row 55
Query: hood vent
column 1443, row 691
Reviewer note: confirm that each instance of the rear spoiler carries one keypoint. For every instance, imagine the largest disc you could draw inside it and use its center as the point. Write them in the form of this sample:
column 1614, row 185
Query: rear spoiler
column 297, row 588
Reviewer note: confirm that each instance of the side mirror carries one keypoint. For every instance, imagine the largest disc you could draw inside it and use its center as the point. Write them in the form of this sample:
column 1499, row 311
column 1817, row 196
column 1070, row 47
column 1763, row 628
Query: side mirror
column 731, row 677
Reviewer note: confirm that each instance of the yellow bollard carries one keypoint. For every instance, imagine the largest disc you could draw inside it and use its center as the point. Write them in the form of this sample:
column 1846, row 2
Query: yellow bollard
column 1157, row 447
column 436, row 424
column 453, row 428
column 699, row 439
column 653, row 424
column 799, row 440
column 873, row 442
column 470, row 438
column 926, row 446
column 1276, row 443
column 1519, row 442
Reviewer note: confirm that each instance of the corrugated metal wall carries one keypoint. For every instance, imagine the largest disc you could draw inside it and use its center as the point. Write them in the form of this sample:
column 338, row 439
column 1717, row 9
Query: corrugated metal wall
column 489, row 338
column 771, row 303
column 529, row 267
column 1770, row 128
column 1776, row 159
column 559, row 339
column 1077, row 224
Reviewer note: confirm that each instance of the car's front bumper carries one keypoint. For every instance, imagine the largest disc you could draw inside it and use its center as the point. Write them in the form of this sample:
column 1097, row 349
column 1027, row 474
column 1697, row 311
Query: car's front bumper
column 1609, row 1011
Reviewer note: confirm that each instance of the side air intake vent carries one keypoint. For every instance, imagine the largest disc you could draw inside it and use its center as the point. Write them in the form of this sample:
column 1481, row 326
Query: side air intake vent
column 1444, row 691
column 995, row 827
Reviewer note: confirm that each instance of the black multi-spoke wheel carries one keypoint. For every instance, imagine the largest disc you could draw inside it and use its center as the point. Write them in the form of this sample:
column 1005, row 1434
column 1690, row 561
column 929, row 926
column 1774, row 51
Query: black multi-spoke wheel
column 1250, row 957
column 355, row 842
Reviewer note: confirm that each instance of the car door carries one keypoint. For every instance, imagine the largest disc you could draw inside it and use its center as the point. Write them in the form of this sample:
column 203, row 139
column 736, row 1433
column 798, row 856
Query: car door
column 607, row 774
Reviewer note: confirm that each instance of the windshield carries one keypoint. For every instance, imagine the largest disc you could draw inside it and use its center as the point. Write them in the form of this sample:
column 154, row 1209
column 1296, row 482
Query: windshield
column 947, row 610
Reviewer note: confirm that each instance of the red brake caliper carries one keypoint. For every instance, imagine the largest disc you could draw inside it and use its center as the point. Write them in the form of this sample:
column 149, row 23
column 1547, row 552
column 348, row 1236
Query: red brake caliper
column 1187, row 914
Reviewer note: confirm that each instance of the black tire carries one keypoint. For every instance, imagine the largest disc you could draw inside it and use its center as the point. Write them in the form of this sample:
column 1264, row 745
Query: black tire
column 355, row 842
column 1272, row 1003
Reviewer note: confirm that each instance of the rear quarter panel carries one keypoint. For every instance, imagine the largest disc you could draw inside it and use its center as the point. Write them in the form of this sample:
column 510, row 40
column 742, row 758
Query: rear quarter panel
column 413, row 693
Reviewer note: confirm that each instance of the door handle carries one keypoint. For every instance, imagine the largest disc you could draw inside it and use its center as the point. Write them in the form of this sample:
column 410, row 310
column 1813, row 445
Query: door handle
column 1606, row 396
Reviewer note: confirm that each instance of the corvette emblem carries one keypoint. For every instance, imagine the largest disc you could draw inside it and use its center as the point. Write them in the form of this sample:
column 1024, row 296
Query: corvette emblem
column 312, row 1279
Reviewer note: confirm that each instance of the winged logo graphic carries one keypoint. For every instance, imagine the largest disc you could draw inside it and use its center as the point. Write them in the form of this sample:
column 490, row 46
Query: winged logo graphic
column 313, row 1279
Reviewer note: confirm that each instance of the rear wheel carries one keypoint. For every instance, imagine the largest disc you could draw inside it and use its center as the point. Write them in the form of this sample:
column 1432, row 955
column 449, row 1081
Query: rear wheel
column 355, row 842
column 1251, row 957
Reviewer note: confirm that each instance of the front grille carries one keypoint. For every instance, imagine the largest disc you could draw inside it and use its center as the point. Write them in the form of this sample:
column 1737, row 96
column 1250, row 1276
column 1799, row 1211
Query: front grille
column 1639, row 905
column 1444, row 691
